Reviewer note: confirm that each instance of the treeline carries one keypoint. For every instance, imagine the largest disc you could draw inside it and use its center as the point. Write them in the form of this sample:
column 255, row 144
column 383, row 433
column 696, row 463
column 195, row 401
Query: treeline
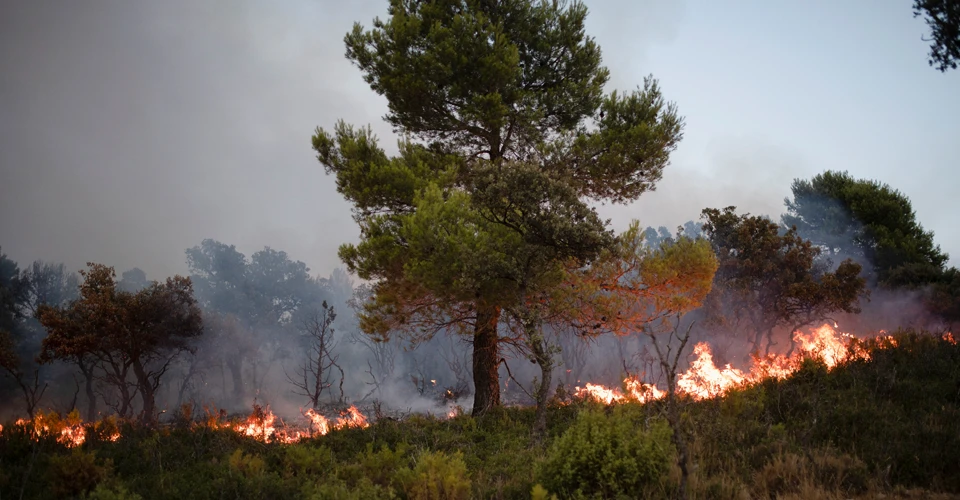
column 235, row 330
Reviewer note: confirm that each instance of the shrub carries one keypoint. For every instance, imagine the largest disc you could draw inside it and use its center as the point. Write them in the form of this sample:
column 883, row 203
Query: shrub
column 113, row 492
column 607, row 455
column 76, row 473
column 437, row 476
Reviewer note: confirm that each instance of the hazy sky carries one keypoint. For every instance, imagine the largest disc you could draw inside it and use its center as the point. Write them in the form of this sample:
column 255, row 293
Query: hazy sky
column 133, row 129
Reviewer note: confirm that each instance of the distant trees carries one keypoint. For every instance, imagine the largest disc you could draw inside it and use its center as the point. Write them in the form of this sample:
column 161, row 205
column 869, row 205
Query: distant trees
column 489, row 192
column 22, row 293
column 943, row 18
column 877, row 226
column 867, row 221
column 251, row 304
column 143, row 331
column 770, row 278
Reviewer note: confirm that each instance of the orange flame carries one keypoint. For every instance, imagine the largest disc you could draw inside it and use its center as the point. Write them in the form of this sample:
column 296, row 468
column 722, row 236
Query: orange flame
column 704, row 380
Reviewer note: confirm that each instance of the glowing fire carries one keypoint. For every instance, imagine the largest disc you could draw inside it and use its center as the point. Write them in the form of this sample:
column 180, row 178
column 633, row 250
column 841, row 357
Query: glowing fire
column 262, row 424
column 703, row 379
column 69, row 432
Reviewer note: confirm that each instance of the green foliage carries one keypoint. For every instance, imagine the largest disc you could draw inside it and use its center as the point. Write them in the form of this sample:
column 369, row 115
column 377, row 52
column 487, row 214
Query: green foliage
column 436, row 476
column 489, row 196
column 772, row 277
column 867, row 221
column 103, row 491
column 76, row 473
column 943, row 18
column 607, row 455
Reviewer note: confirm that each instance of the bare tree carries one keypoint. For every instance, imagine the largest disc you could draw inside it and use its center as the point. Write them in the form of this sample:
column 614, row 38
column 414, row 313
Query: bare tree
column 669, row 347
column 315, row 375
column 459, row 363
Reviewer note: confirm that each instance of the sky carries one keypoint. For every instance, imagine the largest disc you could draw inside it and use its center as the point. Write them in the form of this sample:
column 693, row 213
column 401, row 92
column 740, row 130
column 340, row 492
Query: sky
column 131, row 130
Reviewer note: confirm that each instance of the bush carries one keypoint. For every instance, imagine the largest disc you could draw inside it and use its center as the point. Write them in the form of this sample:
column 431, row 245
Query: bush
column 76, row 473
column 607, row 455
column 437, row 476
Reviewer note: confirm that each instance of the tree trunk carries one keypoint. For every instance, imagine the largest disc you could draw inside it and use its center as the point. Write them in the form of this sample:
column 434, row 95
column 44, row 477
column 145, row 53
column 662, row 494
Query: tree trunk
column 486, row 357
column 542, row 355
column 88, row 390
column 235, row 364
column 146, row 393
column 673, row 417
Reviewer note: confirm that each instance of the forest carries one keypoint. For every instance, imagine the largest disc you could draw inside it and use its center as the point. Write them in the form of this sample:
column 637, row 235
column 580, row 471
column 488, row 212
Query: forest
column 490, row 335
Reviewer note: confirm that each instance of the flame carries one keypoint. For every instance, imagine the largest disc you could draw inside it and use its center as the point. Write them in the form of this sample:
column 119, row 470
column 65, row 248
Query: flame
column 69, row 431
column 704, row 380
column 318, row 422
column 352, row 418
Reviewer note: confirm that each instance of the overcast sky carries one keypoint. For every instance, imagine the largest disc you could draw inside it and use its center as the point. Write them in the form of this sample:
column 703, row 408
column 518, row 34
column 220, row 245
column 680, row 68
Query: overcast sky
column 133, row 129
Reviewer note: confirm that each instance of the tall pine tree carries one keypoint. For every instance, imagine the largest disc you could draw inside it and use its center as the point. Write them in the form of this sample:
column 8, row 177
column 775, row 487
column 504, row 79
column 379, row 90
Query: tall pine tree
column 507, row 138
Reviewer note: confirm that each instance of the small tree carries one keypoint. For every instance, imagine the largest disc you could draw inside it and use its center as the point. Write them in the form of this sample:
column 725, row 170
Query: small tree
column 143, row 331
column 647, row 289
column 315, row 375
column 773, row 278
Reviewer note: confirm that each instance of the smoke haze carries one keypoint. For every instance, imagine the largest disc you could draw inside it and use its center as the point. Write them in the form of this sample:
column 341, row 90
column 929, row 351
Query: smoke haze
column 132, row 130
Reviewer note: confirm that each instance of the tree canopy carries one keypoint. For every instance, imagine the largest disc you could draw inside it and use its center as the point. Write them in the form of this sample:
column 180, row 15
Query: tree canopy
column 144, row 331
column 772, row 278
column 867, row 221
column 943, row 19
column 506, row 135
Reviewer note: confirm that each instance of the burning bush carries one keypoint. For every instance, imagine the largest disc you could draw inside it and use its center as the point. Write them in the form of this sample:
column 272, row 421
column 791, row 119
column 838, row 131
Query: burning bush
column 607, row 455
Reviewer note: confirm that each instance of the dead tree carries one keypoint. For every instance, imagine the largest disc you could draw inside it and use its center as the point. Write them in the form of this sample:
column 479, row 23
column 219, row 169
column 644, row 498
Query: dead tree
column 669, row 347
column 315, row 375
column 459, row 364
column 381, row 362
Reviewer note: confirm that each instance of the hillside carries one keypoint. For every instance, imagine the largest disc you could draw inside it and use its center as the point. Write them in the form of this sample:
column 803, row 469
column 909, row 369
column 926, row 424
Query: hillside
column 889, row 424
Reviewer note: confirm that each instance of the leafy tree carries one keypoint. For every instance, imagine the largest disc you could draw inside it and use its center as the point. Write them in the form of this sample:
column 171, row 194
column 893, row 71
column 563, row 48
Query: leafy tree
column 147, row 329
column 867, row 221
column 654, row 237
column 488, row 95
column 772, row 278
column 644, row 288
column 943, row 18
column 19, row 294
column 250, row 301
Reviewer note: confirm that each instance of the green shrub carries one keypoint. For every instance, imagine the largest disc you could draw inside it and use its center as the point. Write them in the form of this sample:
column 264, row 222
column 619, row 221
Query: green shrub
column 76, row 473
column 304, row 461
column 607, row 455
column 437, row 476
column 111, row 492
column 247, row 466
